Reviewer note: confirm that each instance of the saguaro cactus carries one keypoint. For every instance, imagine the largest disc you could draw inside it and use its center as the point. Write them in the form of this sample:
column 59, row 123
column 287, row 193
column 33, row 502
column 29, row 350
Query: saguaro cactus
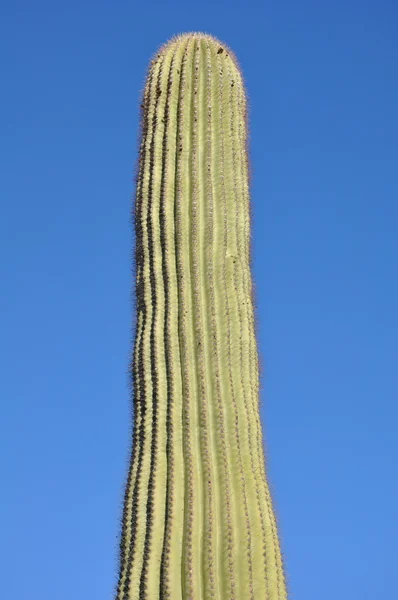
column 198, row 520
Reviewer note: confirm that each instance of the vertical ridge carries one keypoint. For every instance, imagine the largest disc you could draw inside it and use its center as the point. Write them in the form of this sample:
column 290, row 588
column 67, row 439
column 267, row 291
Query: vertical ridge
column 241, row 272
column 237, row 585
column 217, row 422
column 144, row 506
column 227, row 581
column 135, row 385
column 132, row 472
column 254, row 364
column 142, row 367
column 199, row 209
column 158, row 467
column 191, row 582
column 169, row 584
column 237, row 431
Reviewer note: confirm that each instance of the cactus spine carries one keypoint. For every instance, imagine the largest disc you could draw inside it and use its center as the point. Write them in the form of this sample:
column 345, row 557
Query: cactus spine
column 198, row 520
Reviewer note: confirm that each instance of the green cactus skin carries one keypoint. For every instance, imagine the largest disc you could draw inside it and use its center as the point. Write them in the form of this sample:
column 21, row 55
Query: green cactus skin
column 198, row 520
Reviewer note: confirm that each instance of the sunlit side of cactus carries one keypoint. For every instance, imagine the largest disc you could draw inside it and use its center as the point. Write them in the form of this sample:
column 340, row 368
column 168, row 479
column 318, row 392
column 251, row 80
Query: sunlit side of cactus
column 198, row 520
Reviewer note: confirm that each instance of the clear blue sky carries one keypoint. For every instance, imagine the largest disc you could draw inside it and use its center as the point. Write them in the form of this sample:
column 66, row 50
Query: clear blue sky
column 323, row 88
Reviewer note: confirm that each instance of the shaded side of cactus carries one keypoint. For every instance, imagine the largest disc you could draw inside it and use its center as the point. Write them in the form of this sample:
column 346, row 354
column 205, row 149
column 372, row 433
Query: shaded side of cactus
column 198, row 520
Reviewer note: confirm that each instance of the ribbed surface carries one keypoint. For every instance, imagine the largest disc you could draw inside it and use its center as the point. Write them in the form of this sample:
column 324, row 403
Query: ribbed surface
column 198, row 520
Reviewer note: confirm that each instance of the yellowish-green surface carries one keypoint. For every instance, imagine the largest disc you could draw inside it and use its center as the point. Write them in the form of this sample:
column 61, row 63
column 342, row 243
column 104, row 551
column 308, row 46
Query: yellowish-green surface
column 198, row 519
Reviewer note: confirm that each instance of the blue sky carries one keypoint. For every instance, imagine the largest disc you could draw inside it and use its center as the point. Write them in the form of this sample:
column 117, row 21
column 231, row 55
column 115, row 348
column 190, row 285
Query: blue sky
column 323, row 89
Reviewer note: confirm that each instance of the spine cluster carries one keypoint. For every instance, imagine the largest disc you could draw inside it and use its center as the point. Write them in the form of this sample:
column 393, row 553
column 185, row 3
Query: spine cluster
column 198, row 520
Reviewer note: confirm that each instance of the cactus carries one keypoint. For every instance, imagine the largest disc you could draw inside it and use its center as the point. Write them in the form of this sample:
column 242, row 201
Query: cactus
column 198, row 520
